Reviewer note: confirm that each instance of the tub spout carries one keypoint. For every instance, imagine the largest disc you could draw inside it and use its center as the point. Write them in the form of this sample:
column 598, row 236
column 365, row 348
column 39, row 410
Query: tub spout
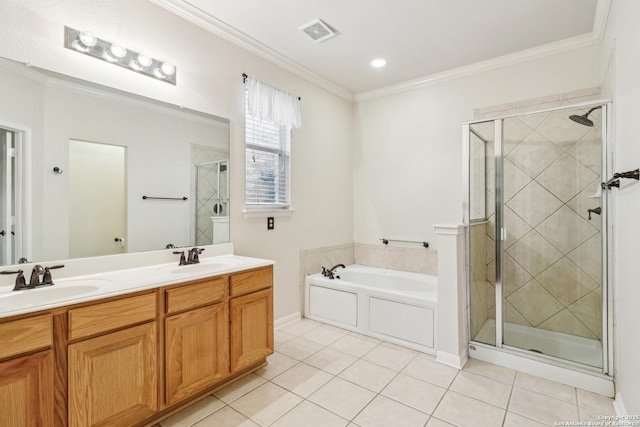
column 329, row 272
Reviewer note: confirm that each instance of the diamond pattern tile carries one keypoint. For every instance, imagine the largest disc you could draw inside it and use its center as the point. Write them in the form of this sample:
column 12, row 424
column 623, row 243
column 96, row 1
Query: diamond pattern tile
column 588, row 310
column 516, row 226
column 514, row 179
column 566, row 177
column 514, row 131
column 534, row 154
column 534, row 253
column 514, row 275
column 588, row 150
column 563, row 132
column 534, row 204
column 566, row 323
column 566, row 282
column 566, row 230
column 534, row 303
column 581, row 202
column 587, row 257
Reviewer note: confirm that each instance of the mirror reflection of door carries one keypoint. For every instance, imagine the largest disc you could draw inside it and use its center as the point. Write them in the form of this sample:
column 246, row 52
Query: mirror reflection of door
column 97, row 199
column 7, row 197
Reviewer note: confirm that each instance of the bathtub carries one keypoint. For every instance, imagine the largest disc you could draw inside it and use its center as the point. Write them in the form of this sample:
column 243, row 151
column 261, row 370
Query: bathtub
column 395, row 306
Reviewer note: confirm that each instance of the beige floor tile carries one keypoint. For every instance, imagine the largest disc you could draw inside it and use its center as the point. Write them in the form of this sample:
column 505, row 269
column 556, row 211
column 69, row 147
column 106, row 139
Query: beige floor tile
column 277, row 363
column 499, row 373
column 342, row 397
column 544, row 386
column 482, row 388
column 590, row 414
column 353, row 345
column 540, row 407
column 413, row 392
column 299, row 348
column 426, row 369
column 595, row 401
column 266, row 403
column 302, row 379
column 368, row 375
column 281, row 337
column 324, row 335
column 464, row 411
column 435, row 422
column 300, row 327
column 330, row 360
column 515, row 420
column 390, row 357
column 308, row 414
column 239, row 388
column 365, row 337
column 226, row 417
column 383, row 412
column 193, row 413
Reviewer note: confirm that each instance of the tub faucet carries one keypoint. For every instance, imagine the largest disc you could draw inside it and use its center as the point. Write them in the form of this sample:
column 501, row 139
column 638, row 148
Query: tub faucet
column 329, row 272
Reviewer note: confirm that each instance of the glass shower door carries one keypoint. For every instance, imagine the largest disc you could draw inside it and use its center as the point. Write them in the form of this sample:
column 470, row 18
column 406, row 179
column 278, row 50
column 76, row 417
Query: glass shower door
column 551, row 277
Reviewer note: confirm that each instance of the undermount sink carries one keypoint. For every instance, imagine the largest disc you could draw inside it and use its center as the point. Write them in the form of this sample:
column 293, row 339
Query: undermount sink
column 37, row 296
column 201, row 268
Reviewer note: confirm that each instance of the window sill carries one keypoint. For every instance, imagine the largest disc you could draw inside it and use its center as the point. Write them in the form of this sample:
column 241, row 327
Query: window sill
column 264, row 213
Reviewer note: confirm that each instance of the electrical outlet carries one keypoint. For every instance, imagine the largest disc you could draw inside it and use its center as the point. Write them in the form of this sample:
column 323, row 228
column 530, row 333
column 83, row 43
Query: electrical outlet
column 270, row 223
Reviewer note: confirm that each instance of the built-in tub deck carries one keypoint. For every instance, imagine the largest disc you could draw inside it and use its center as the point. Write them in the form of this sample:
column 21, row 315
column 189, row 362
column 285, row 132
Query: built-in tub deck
column 395, row 306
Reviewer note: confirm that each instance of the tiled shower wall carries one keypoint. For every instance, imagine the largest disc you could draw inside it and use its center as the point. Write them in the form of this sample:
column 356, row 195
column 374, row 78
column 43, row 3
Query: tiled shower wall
column 552, row 252
column 417, row 260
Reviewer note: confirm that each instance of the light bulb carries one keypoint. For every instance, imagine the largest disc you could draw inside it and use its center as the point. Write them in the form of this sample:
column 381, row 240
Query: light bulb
column 87, row 39
column 144, row 60
column 379, row 62
column 168, row 69
column 118, row 51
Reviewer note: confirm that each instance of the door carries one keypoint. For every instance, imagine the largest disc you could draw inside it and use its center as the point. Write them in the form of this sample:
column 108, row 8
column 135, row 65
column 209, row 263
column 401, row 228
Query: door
column 251, row 328
column 113, row 379
column 97, row 199
column 197, row 350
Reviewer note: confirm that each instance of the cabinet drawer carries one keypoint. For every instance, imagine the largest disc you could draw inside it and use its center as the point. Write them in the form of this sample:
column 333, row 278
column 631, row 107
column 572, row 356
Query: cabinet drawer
column 195, row 295
column 98, row 318
column 21, row 336
column 251, row 281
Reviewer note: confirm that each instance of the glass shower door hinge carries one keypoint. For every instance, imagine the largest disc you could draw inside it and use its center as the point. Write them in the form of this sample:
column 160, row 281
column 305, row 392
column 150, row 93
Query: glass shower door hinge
column 503, row 234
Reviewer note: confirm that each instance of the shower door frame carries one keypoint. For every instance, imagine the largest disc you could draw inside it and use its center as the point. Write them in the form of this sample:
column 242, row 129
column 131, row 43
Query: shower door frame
column 607, row 368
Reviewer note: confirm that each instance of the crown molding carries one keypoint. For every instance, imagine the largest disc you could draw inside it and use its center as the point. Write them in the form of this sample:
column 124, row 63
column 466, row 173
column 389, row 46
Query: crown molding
column 482, row 66
column 230, row 34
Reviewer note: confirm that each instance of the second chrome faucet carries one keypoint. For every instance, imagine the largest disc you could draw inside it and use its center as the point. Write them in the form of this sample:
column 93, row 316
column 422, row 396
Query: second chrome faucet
column 193, row 256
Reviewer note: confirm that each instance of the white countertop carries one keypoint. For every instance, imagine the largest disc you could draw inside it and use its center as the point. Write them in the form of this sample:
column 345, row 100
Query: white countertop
column 77, row 289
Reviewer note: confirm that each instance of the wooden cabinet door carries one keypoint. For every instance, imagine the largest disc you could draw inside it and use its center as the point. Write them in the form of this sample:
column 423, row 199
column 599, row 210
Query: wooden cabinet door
column 113, row 379
column 196, row 350
column 26, row 391
column 251, row 328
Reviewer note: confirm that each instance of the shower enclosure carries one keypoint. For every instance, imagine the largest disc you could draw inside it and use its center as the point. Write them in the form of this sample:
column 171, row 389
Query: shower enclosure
column 212, row 202
column 537, row 227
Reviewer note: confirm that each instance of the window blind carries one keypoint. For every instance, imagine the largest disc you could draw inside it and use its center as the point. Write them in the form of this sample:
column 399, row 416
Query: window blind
column 267, row 163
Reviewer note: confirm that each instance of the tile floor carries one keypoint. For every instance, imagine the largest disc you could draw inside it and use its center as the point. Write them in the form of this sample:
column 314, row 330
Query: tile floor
column 325, row 376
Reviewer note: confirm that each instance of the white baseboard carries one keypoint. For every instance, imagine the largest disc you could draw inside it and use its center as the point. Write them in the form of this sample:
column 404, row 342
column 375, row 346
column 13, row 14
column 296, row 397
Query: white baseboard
column 289, row 318
column 618, row 405
column 450, row 359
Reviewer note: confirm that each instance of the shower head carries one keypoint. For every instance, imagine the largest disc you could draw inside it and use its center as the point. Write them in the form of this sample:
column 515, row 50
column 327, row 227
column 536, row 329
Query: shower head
column 584, row 119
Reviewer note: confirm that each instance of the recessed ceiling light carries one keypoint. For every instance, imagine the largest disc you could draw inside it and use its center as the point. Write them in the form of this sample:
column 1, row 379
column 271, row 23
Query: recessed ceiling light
column 379, row 62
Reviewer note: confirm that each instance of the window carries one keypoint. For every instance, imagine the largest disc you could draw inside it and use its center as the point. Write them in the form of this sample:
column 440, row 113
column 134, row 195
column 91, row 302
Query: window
column 267, row 163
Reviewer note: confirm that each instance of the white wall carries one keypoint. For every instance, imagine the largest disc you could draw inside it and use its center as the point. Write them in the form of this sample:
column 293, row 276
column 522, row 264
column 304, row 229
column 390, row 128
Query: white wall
column 209, row 80
column 621, row 72
column 408, row 150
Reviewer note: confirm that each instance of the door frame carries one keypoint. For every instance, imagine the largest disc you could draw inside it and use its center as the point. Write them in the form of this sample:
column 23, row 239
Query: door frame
column 23, row 188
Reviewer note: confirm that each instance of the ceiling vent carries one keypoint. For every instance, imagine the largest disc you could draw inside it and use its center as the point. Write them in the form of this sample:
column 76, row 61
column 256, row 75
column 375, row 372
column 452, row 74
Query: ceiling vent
column 318, row 31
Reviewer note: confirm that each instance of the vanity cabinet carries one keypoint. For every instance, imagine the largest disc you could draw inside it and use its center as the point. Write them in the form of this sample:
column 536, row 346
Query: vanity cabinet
column 251, row 312
column 196, row 339
column 129, row 360
column 113, row 372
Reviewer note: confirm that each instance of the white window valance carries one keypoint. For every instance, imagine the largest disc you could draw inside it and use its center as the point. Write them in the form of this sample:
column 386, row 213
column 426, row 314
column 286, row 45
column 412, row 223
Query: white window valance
column 272, row 104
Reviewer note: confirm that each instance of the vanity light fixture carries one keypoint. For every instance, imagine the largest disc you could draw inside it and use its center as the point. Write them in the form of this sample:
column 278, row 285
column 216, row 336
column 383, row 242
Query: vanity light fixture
column 85, row 42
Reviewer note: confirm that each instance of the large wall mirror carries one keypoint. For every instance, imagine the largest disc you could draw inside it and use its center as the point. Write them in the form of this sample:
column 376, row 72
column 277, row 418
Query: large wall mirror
column 88, row 170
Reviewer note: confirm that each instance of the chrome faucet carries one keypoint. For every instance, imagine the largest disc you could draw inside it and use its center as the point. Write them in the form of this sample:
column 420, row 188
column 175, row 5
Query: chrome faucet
column 330, row 272
column 193, row 258
column 34, row 281
column 194, row 254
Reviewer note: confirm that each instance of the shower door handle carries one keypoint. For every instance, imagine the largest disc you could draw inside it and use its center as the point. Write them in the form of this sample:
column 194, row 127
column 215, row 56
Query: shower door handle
column 503, row 234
